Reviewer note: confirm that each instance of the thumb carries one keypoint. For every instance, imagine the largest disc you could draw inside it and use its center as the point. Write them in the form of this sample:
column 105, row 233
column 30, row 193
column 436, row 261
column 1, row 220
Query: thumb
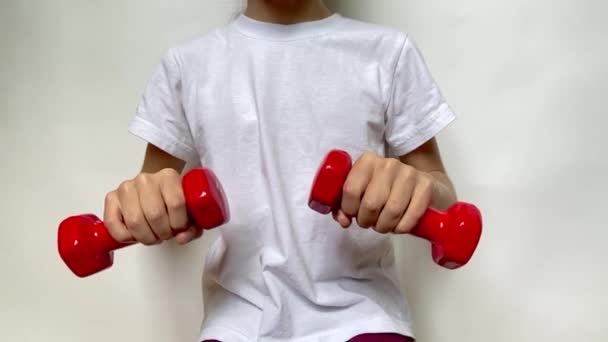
column 189, row 235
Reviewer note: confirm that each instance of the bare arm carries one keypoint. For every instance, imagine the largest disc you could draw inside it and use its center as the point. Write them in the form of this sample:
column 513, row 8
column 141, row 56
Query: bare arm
column 427, row 158
column 156, row 159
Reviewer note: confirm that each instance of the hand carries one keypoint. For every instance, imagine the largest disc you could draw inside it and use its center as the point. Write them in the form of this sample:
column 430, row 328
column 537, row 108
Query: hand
column 385, row 194
column 149, row 209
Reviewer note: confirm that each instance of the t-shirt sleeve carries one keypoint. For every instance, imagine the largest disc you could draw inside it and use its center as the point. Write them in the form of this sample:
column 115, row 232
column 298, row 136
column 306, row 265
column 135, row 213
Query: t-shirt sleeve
column 159, row 118
column 417, row 111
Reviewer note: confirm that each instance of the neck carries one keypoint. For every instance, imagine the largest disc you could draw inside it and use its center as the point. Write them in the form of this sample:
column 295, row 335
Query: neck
column 287, row 11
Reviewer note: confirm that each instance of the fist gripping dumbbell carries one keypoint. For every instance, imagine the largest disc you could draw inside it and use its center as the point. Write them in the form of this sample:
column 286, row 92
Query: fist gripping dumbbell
column 454, row 234
column 86, row 246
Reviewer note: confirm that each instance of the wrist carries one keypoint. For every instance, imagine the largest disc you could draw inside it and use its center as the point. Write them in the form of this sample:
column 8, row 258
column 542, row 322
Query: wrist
column 444, row 194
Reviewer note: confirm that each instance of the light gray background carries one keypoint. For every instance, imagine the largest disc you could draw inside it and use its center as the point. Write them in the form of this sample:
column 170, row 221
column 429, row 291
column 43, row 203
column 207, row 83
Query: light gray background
column 527, row 79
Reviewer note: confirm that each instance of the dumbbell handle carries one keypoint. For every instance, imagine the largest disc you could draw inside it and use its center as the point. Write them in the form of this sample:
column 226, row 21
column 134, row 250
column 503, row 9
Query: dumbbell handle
column 426, row 227
column 429, row 226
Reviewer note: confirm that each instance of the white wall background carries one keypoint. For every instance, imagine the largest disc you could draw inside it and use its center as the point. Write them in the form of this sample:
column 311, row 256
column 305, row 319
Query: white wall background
column 528, row 79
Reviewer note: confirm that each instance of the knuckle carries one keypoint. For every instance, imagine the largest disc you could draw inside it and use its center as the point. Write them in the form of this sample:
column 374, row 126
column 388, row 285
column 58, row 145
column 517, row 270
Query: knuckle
column 393, row 209
column 142, row 179
column 125, row 186
column 391, row 163
column 154, row 215
column 175, row 202
column 351, row 190
column 407, row 170
column 134, row 222
column 371, row 204
column 168, row 172
column 110, row 198
column 367, row 157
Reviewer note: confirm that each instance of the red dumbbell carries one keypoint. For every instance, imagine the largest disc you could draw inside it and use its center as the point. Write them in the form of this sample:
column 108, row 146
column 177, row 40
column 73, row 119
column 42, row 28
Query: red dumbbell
column 454, row 234
column 86, row 247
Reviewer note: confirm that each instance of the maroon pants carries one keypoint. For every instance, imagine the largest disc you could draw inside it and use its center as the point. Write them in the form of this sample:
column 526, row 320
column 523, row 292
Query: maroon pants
column 369, row 338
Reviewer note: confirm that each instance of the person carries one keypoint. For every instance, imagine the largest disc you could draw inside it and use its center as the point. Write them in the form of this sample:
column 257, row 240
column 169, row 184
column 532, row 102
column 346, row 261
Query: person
column 260, row 101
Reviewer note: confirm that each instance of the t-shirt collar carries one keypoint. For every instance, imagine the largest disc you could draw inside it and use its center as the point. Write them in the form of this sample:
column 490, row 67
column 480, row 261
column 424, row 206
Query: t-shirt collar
column 271, row 31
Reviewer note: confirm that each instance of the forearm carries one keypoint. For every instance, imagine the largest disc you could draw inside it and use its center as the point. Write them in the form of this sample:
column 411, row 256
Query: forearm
column 157, row 159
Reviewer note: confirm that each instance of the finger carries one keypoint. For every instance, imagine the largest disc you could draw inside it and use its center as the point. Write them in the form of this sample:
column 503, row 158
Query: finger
column 175, row 201
column 113, row 220
column 198, row 232
column 153, row 207
column 133, row 215
column 375, row 197
column 355, row 184
column 419, row 203
column 397, row 202
column 188, row 235
column 340, row 216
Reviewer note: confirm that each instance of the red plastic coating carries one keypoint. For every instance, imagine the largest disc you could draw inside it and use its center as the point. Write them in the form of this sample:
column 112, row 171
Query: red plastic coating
column 327, row 189
column 454, row 234
column 86, row 246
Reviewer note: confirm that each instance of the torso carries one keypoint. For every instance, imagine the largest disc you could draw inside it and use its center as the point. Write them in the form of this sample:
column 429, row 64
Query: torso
column 263, row 113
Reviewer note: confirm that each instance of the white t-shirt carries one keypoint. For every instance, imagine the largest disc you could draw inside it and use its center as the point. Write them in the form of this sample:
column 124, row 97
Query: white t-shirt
column 261, row 104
